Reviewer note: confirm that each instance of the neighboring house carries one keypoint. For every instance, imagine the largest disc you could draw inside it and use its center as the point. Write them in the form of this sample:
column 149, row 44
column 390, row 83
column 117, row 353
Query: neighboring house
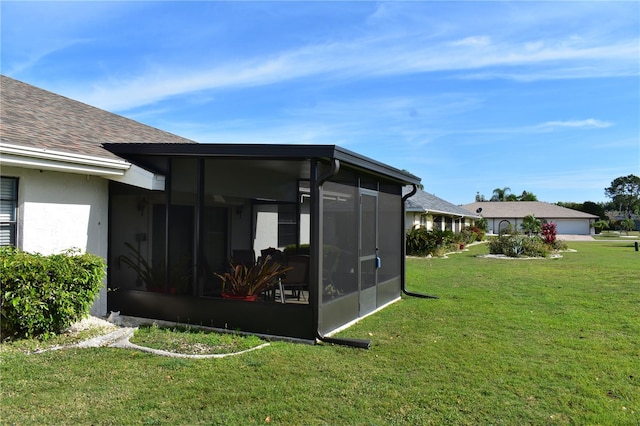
column 500, row 214
column 617, row 216
column 424, row 209
column 178, row 211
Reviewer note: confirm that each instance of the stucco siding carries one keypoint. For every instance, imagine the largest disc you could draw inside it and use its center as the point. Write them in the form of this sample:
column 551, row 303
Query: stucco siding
column 61, row 211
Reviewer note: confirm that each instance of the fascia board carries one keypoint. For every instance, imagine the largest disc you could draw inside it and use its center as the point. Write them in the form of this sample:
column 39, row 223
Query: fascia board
column 38, row 158
column 113, row 169
column 141, row 178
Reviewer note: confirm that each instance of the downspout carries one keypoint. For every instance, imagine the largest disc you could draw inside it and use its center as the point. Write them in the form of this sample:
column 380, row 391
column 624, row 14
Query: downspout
column 316, row 250
column 403, row 266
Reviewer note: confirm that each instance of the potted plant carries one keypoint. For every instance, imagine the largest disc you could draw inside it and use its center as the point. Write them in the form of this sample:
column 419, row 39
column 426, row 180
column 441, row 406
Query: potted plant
column 248, row 282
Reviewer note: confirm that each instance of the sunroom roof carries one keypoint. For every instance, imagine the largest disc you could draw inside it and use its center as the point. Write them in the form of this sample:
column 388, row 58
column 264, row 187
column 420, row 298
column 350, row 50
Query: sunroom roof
column 263, row 152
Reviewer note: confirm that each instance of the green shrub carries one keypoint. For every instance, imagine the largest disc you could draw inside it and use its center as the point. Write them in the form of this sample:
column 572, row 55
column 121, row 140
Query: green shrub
column 518, row 245
column 419, row 241
column 42, row 295
column 422, row 242
column 482, row 224
column 296, row 249
column 534, row 246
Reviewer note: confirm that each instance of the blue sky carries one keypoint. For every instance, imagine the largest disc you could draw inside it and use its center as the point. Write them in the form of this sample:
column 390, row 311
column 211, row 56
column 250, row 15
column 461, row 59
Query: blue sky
column 470, row 96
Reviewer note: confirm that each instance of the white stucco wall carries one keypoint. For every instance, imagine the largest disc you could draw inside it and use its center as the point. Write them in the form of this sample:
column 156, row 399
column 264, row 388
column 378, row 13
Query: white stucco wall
column 563, row 226
column 61, row 211
column 266, row 231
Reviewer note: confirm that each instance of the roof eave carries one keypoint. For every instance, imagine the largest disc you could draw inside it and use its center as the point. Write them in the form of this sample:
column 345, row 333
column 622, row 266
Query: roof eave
column 265, row 151
column 45, row 159
column 64, row 162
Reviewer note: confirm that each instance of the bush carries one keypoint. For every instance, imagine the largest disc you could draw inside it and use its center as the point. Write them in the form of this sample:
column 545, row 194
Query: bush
column 515, row 245
column 421, row 242
column 43, row 295
column 482, row 224
column 480, row 233
column 549, row 233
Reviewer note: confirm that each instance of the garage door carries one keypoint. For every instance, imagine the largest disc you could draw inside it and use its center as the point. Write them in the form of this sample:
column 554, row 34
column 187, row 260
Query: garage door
column 575, row 227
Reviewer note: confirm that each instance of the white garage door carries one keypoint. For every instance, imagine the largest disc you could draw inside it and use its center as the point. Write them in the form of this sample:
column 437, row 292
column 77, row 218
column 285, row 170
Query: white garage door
column 575, row 227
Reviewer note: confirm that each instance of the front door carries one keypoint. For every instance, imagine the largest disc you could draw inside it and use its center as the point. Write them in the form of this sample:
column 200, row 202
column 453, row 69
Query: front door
column 368, row 250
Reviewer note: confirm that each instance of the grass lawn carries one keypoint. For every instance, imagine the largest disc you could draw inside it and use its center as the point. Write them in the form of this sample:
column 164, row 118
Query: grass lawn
column 508, row 342
column 618, row 235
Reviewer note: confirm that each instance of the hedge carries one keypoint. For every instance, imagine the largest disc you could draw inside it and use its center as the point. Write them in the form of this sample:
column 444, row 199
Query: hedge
column 42, row 295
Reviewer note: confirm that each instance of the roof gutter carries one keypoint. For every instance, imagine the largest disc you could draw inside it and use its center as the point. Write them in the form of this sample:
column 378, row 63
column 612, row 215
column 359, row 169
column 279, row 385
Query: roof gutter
column 65, row 162
column 403, row 266
column 44, row 159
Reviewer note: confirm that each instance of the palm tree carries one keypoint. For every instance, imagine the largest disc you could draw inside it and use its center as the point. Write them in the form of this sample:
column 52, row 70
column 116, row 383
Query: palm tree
column 500, row 194
column 628, row 225
column 530, row 225
column 527, row 196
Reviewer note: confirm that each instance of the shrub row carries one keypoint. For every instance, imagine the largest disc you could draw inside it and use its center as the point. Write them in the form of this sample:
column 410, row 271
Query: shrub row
column 42, row 295
column 423, row 242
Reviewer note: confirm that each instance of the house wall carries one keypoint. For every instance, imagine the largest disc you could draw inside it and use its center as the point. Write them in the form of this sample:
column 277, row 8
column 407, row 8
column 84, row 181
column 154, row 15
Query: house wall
column 420, row 219
column 60, row 211
column 563, row 226
column 266, row 228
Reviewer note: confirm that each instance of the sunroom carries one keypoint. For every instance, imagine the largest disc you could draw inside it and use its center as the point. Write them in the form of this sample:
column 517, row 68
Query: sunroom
column 218, row 204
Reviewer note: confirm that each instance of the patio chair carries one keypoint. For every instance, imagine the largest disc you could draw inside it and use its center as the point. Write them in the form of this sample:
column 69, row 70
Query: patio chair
column 275, row 254
column 297, row 279
column 244, row 257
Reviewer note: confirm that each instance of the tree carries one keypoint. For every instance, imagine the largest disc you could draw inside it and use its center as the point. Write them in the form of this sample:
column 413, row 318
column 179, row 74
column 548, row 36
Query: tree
column 594, row 208
column 599, row 225
column 527, row 196
column 530, row 225
column 628, row 225
column 597, row 209
column 500, row 194
column 625, row 193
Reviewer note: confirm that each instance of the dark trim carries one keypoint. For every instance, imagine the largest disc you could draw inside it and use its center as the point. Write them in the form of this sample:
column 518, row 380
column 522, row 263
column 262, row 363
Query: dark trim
column 217, row 312
column 403, row 250
column 198, row 240
column 167, row 222
column 263, row 151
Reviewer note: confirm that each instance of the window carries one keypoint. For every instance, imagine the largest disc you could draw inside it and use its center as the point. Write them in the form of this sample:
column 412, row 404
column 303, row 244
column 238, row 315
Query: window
column 287, row 225
column 8, row 207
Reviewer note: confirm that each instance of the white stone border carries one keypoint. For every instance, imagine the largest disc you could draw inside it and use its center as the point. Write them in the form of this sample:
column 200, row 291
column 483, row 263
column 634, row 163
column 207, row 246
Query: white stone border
column 120, row 339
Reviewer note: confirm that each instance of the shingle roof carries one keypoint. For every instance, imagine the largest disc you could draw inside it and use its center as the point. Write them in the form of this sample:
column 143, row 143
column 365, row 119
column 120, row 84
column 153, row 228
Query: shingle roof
column 422, row 201
column 33, row 117
column 520, row 209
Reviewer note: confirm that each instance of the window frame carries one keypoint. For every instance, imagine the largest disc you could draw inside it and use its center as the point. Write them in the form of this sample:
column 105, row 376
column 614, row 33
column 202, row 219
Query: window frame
column 12, row 199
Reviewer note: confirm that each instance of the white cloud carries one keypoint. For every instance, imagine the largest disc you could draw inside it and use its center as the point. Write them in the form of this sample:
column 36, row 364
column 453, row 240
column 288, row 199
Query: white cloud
column 363, row 58
column 589, row 123
column 521, row 43
column 473, row 41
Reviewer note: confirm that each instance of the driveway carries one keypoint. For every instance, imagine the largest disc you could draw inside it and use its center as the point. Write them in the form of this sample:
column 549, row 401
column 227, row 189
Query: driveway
column 567, row 237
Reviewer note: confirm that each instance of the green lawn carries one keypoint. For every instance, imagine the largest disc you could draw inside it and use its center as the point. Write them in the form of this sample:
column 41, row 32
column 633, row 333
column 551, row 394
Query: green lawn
column 508, row 342
column 617, row 235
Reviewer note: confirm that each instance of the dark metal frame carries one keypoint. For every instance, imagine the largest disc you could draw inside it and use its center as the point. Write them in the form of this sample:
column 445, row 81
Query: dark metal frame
column 298, row 321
